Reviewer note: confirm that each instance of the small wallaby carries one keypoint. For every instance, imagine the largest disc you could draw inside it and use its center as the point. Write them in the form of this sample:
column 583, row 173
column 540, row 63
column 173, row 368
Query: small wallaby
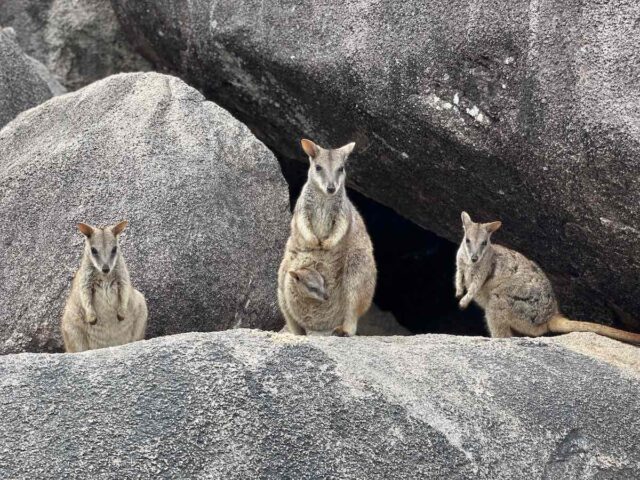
column 327, row 232
column 515, row 294
column 103, row 309
column 310, row 284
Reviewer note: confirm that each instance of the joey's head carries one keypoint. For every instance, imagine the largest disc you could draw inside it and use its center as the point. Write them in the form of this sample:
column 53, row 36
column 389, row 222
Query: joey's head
column 327, row 166
column 477, row 237
column 101, row 245
column 310, row 283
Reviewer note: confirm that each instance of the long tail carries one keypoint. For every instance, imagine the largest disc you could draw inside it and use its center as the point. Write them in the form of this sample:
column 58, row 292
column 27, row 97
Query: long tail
column 560, row 324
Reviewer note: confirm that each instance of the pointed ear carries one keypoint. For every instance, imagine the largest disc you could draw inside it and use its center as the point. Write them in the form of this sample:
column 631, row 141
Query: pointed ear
column 86, row 230
column 466, row 220
column 118, row 228
column 295, row 275
column 310, row 148
column 493, row 226
column 347, row 149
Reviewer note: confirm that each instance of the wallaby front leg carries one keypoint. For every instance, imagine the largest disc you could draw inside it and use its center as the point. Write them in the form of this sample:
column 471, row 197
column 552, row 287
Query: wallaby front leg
column 124, row 291
column 472, row 291
column 459, row 283
column 339, row 231
column 86, row 300
column 306, row 231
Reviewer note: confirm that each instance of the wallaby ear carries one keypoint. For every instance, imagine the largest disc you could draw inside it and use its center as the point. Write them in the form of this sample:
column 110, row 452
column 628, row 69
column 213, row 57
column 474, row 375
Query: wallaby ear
column 493, row 226
column 347, row 149
column 118, row 228
column 310, row 148
column 466, row 220
column 86, row 230
column 295, row 275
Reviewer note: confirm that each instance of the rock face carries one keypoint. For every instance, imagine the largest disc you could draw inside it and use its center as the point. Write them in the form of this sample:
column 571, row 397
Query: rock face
column 522, row 111
column 79, row 40
column 244, row 404
column 206, row 202
column 21, row 86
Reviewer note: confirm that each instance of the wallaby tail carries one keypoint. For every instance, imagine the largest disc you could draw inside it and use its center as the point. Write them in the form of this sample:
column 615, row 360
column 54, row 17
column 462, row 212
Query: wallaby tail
column 560, row 324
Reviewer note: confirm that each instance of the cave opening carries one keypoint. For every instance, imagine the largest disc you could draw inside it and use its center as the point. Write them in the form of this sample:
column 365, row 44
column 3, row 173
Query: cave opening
column 415, row 266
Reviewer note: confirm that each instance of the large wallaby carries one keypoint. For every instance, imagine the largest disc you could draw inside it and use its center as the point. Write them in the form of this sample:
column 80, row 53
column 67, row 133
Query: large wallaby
column 328, row 233
column 103, row 309
column 515, row 294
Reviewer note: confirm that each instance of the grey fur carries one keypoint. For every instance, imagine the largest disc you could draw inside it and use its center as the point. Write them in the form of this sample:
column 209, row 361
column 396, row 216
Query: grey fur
column 328, row 234
column 103, row 309
column 513, row 291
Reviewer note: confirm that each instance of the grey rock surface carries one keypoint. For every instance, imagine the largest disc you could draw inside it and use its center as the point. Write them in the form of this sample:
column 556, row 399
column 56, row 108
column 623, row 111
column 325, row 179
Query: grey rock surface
column 21, row 86
column 206, row 202
column 246, row 404
column 80, row 41
column 523, row 111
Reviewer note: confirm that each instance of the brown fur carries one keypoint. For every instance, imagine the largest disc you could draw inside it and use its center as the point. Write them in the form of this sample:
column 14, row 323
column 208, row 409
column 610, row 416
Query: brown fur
column 328, row 234
column 515, row 294
column 103, row 309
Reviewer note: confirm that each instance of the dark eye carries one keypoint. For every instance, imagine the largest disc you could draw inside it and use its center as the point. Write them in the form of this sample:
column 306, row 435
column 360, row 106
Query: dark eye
column 318, row 168
column 484, row 244
column 468, row 241
column 341, row 169
column 114, row 250
column 94, row 251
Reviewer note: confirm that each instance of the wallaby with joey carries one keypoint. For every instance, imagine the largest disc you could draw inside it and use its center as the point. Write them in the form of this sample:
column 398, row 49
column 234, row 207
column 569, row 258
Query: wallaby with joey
column 515, row 294
column 103, row 309
column 328, row 234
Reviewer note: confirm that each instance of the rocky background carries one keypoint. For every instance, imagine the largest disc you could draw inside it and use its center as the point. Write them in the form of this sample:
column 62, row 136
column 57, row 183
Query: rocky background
column 184, row 118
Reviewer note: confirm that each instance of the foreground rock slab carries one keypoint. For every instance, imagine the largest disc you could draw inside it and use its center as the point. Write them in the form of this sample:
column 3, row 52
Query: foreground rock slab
column 247, row 404
column 206, row 202
column 21, row 86
column 521, row 111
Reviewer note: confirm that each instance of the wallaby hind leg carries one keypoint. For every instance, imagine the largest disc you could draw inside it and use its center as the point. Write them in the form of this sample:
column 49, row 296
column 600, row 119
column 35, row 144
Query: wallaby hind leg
column 75, row 340
column 140, row 314
column 503, row 319
column 359, row 285
column 498, row 317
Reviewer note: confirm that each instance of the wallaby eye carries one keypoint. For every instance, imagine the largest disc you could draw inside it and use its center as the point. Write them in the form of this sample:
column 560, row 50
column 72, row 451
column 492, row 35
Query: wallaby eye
column 94, row 251
column 484, row 244
column 318, row 168
column 341, row 169
column 114, row 250
column 468, row 241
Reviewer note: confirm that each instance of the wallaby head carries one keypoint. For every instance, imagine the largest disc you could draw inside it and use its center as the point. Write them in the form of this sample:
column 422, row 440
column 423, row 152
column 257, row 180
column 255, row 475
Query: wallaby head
column 477, row 237
column 101, row 245
column 327, row 166
column 310, row 283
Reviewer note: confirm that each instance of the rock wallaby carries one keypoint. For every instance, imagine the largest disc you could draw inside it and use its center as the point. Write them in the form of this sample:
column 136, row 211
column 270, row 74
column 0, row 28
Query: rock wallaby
column 515, row 294
column 329, row 235
column 103, row 309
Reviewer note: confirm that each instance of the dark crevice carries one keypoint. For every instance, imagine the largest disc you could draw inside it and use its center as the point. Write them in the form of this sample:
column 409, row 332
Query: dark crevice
column 415, row 267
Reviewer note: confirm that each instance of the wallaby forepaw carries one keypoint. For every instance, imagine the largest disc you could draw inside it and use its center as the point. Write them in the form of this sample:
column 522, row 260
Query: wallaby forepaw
column 340, row 332
column 120, row 316
column 464, row 303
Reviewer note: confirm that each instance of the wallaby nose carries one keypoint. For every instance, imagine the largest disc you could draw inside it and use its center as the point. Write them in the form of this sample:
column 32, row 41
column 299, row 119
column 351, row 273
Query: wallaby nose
column 105, row 269
column 474, row 259
column 325, row 296
column 331, row 188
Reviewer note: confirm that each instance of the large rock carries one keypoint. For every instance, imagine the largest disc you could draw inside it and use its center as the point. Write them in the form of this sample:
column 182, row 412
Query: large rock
column 21, row 86
column 80, row 41
column 244, row 404
column 523, row 111
column 206, row 201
